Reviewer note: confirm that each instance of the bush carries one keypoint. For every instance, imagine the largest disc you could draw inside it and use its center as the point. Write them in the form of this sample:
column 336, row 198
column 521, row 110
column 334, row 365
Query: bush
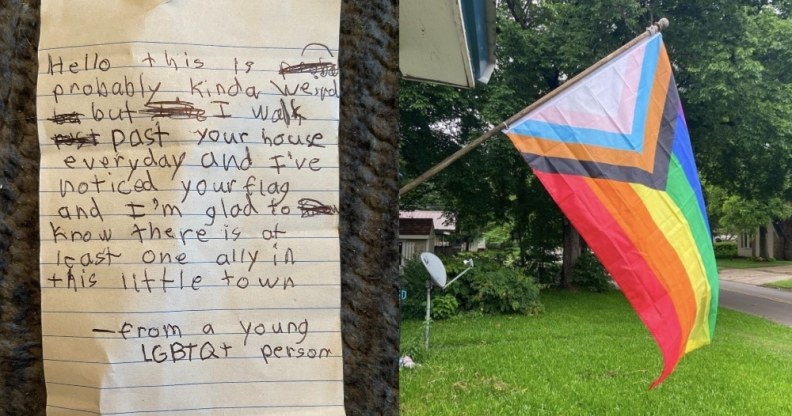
column 444, row 306
column 505, row 291
column 589, row 274
column 726, row 250
column 413, row 280
column 491, row 287
column 545, row 267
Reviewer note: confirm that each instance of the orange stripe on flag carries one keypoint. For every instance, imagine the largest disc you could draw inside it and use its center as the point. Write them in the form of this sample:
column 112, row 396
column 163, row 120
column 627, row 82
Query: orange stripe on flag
column 632, row 215
column 654, row 114
column 643, row 160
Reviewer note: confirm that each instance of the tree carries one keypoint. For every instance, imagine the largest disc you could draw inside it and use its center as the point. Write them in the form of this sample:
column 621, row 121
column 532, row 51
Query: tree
column 730, row 59
column 539, row 46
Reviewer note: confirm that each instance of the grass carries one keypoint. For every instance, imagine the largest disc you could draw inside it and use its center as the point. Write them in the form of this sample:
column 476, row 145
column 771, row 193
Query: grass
column 588, row 354
column 784, row 284
column 746, row 263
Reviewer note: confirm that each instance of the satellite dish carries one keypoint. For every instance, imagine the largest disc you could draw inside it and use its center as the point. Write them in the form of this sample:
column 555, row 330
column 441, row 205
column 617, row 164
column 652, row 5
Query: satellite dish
column 435, row 268
column 437, row 271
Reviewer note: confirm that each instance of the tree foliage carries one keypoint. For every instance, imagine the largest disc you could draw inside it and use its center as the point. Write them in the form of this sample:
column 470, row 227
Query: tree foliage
column 744, row 216
column 730, row 60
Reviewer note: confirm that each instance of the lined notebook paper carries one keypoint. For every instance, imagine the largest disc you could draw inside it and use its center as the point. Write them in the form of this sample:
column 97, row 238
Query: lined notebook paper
column 189, row 194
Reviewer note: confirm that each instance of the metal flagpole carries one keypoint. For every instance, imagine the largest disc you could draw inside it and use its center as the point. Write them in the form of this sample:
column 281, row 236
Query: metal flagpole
column 428, row 320
column 651, row 30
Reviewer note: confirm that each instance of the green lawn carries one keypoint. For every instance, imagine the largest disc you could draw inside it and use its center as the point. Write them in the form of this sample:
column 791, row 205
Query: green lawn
column 784, row 284
column 745, row 263
column 588, row 354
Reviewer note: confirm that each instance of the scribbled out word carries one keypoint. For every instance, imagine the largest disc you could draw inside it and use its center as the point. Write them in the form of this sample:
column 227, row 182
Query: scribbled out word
column 75, row 139
column 66, row 118
column 176, row 109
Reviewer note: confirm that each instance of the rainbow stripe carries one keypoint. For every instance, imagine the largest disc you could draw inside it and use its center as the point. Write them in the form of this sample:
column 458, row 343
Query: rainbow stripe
column 614, row 153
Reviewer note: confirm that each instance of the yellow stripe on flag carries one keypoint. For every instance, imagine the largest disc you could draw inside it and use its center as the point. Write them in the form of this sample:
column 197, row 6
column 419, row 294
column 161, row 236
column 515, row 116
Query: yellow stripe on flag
column 669, row 218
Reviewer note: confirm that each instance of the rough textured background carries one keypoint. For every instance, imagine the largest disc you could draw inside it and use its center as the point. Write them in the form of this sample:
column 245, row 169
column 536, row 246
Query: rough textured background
column 369, row 205
column 369, row 208
column 21, row 377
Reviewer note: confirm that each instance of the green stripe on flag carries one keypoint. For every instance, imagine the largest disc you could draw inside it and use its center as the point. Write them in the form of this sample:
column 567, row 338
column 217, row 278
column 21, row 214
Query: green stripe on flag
column 682, row 194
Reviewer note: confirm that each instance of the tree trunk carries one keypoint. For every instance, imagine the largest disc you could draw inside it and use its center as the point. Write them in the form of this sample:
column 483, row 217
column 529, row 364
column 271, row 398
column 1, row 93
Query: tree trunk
column 572, row 250
column 369, row 158
column 763, row 253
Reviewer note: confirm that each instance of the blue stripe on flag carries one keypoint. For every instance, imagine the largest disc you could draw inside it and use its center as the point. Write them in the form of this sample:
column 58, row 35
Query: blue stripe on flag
column 627, row 142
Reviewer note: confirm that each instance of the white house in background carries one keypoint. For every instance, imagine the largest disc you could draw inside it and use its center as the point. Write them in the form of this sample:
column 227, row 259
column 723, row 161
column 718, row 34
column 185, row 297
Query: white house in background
column 443, row 226
column 770, row 241
column 416, row 235
column 746, row 246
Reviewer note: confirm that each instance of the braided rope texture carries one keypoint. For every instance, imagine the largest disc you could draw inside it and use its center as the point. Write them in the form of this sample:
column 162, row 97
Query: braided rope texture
column 21, row 372
column 368, row 146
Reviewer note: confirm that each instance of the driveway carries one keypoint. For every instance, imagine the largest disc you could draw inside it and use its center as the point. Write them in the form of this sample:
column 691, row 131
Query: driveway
column 740, row 290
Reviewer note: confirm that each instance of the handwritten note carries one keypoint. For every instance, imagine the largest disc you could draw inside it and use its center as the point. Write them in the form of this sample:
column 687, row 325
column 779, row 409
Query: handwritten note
column 189, row 194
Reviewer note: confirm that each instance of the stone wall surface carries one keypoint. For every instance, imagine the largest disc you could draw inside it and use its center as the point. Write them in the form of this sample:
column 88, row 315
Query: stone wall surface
column 369, row 208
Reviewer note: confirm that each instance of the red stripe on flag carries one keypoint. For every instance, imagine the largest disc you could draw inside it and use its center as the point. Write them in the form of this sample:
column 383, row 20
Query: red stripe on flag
column 622, row 260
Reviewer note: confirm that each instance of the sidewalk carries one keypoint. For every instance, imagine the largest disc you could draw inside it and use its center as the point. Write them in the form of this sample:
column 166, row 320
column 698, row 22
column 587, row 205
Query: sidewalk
column 758, row 276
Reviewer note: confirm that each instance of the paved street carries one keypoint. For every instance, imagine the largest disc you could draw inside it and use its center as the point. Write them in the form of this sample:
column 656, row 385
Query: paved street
column 773, row 304
column 740, row 290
